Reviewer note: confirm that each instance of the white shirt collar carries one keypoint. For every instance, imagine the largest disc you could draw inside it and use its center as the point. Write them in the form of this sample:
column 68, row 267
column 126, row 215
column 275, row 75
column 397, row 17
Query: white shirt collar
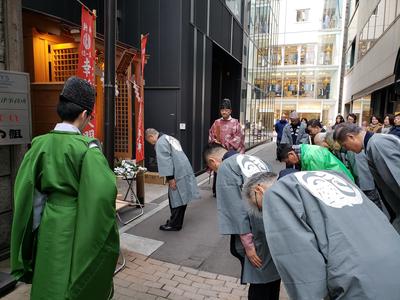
column 230, row 118
column 66, row 127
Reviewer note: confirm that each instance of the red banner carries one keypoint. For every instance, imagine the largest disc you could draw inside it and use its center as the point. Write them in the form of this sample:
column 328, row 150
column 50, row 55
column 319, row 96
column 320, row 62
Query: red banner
column 143, row 43
column 140, row 115
column 87, row 53
column 140, row 125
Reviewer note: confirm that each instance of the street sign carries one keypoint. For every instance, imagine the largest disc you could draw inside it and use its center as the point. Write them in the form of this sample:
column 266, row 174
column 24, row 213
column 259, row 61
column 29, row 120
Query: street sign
column 15, row 113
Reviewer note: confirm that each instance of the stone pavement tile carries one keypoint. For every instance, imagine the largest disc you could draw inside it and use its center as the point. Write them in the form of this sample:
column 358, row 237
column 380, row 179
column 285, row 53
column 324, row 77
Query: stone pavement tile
column 189, row 270
column 227, row 278
column 158, row 292
column 202, row 285
column 148, row 279
column 178, row 272
column 235, row 285
column 195, row 278
column 207, row 275
column 173, row 290
column 193, row 296
column 182, row 280
column 188, row 288
column 173, row 296
column 168, row 282
column 207, row 293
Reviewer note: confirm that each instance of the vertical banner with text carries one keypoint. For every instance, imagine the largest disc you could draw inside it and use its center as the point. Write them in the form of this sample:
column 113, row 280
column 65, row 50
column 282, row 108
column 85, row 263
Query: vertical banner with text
column 87, row 53
column 140, row 116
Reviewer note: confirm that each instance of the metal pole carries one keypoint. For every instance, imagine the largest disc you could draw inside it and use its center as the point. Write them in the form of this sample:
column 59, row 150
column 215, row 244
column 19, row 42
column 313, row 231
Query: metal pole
column 109, row 79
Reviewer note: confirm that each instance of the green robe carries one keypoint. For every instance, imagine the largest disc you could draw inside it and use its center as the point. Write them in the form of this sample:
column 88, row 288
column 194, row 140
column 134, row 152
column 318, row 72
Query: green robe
column 316, row 158
column 74, row 251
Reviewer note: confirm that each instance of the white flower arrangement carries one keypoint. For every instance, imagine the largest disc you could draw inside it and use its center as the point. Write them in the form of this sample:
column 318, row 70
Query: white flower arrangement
column 128, row 169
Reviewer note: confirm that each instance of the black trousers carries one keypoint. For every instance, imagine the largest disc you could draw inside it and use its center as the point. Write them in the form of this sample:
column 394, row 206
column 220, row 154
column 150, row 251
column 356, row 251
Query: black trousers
column 177, row 215
column 277, row 149
column 214, row 183
column 263, row 291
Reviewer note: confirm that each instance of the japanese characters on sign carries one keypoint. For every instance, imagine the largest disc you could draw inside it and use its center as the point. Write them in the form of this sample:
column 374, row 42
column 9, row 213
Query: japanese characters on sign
column 86, row 62
column 140, row 122
column 15, row 117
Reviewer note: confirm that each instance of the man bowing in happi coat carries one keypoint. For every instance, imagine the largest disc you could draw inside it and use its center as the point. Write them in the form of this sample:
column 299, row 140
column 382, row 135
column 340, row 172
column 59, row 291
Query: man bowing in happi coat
column 173, row 163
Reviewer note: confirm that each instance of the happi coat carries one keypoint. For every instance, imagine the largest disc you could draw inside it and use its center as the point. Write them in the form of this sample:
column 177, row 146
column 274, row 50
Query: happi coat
column 228, row 133
column 315, row 158
column 327, row 238
column 383, row 155
column 64, row 235
column 234, row 217
column 172, row 161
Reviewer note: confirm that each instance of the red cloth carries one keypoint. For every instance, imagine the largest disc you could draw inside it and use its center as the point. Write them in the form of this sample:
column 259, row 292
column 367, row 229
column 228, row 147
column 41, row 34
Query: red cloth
column 229, row 133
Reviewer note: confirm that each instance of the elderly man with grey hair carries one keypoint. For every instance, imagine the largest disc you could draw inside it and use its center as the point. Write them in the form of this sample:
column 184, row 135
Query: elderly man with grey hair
column 383, row 156
column 358, row 165
column 326, row 237
column 173, row 163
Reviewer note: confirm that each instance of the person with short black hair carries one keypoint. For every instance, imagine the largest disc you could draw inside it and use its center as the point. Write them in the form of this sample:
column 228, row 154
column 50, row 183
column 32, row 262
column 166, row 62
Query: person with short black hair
column 375, row 125
column 64, row 236
column 395, row 130
column 383, row 155
column 227, row 132
column 248, row 242
column 351, row 118
column 328, row 241
column 312, row 158
column 388, row 123
column 314, row 127
column 339, row 119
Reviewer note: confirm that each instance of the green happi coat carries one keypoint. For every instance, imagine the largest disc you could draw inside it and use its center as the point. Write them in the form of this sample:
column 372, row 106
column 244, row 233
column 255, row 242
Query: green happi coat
column 72, row 250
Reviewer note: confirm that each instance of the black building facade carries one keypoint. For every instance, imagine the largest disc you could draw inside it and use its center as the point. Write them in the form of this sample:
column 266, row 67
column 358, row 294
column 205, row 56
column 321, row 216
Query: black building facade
column 196, row 52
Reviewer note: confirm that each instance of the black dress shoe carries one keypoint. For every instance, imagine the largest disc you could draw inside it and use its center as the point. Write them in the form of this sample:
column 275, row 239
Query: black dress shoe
column 170, row 228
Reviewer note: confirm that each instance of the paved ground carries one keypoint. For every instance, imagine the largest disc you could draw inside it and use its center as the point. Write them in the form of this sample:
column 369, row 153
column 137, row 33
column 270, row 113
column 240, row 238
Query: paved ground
column 148, row 279
column 191, row 264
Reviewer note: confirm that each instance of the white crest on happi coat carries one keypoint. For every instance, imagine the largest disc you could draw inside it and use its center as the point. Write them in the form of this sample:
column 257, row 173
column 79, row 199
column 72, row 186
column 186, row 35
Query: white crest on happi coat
column 174, row 143
column 251, row 165
column 331, row 189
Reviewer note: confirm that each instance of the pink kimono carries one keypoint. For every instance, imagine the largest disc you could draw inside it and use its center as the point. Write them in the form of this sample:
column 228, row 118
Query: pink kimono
column 229, row 133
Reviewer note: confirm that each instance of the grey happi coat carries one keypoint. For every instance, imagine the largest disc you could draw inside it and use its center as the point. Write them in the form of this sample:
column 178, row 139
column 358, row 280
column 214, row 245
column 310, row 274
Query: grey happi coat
column 383, row 155
column 171, row 160
column 328, row 239
column 234, row 217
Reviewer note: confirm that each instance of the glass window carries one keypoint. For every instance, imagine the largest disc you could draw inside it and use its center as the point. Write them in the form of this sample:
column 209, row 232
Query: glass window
column 398, row 8
column 307, row 85
column 291, row 55
column 390, row 13
column 324, row 84
column 328, row 114
column 235, row 7
column 307, row 54
column 325, row 53
column 331, row 14
column 350, row 55
column 302, row 15
column 277, row 55
column 380, row 15
column 278, row 113
column 287, row 108
column 275, row 86
column 290, row 84
column 363, row 42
